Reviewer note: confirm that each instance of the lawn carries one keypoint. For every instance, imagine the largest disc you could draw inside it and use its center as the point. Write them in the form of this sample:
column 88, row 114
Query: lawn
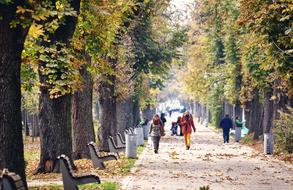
column 114, row 169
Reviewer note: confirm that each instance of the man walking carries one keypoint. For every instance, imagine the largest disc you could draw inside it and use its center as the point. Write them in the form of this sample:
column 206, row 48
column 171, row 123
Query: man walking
column 226, row 123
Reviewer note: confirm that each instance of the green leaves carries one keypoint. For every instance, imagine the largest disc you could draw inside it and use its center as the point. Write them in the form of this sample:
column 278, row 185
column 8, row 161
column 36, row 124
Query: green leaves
column 5, row 2
column 60, row 70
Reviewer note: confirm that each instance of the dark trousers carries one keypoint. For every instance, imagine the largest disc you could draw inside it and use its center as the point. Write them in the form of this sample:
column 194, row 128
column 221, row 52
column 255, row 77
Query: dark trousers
column 226, row 133
column 156, row 141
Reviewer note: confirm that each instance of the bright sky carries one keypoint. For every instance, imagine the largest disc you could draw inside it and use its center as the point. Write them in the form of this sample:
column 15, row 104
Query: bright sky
column 181, row 5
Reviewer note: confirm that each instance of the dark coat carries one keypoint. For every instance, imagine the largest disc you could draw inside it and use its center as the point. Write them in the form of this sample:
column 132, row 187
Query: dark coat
column 226, row 123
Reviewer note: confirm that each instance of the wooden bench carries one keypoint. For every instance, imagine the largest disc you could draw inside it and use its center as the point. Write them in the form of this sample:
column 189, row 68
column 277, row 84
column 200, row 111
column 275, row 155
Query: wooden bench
column 70, row 179
column 113, row 147
column 120, row 141
column 98, row 158
column 11, row 181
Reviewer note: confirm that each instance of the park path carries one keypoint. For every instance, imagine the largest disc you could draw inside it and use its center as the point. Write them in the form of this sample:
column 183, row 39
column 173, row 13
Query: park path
column 208, row 162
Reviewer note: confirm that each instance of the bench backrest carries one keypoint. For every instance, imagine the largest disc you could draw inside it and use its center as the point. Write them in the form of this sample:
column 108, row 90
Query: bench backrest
column 65, row 165
column 94, row 147
column 12, row 181
column 112, row 141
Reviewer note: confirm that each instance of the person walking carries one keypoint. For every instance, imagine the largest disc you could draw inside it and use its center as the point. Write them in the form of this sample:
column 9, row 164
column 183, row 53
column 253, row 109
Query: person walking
column 226, row 123
column 238, row 128
column 156, row 130
column 187, row 123
column 163, row 119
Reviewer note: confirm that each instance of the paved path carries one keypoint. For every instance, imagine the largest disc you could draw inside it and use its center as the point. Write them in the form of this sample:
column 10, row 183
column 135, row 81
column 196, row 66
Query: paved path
column 208, row 162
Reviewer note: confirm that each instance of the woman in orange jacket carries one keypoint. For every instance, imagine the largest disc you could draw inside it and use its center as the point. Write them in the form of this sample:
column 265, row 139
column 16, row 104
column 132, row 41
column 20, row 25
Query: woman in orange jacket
column 187, row 123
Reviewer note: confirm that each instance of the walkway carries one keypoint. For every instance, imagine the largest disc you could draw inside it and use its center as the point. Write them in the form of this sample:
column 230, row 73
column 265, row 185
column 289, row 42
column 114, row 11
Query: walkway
column 208, row 162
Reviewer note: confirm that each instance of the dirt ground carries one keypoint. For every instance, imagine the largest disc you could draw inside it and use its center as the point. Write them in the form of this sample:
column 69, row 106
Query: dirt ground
column 209, row 162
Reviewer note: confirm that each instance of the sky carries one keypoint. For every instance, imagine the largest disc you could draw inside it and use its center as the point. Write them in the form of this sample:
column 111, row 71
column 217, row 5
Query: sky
column 181, row 5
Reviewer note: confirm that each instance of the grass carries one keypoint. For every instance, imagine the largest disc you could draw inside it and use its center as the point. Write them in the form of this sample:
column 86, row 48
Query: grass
column 114, row 168
column 131, row 161
column 93, row 186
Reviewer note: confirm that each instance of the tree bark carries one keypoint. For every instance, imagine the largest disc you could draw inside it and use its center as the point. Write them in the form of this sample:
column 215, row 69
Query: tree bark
column 148, row 113
column 247, row 115
column 11, row 46
column 55, row 126
column 124, row 114
column 238, row 110
column 268, row 111
column 256, row 115
column 82, row 117
column 55, row 114
column 108, row 119
column 136, row 112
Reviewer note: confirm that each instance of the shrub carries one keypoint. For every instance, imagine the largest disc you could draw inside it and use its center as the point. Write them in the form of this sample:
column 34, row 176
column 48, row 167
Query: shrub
column 284, row 131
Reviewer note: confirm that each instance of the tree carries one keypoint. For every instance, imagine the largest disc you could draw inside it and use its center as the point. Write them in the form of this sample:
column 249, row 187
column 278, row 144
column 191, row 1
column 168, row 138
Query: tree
column 82, row 117
column 55, row 100
column 12, row 37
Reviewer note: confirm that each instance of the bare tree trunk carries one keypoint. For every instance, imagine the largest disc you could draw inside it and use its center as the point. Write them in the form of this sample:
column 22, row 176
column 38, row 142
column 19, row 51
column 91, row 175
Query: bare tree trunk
column 82, row 117
column 256, row 115
column 238, row 88
column 247, row 115
column 124, row 114
column 11, row 46
column 238, row 110
column 55, row 125
column 108, row 120
column 136, row 112
column 147, row 113
column 268, row 111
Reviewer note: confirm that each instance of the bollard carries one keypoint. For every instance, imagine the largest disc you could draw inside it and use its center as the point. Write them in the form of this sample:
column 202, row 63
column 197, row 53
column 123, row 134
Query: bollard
column 130, row 150
column 268, row 143
column 139, row 132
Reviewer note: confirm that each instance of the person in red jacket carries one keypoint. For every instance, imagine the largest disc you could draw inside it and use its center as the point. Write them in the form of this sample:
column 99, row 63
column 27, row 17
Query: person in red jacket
column 187, row 124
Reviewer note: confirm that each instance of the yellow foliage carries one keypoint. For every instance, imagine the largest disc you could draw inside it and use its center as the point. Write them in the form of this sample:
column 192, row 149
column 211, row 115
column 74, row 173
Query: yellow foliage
column 36, row 30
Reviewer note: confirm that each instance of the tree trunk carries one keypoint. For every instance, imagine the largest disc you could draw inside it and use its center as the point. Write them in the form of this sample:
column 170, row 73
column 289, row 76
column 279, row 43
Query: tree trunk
column 268, row 111
column 124, row 114
column 55, row 114
column 238, row 110
column 147, row 113
column 55, row 126
column 256, row 115
column 247, row 110
column 11, row 46
column 191, row 103
column 97, row 110
column 108, row 120
column 82, row 117
column 136, row 112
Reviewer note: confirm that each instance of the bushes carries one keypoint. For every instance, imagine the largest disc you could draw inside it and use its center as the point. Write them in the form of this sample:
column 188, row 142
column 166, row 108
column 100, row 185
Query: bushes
column 284, row 131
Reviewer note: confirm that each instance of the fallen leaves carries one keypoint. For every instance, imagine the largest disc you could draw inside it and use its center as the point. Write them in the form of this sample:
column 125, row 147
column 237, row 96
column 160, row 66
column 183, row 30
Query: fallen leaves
column 174, row 155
